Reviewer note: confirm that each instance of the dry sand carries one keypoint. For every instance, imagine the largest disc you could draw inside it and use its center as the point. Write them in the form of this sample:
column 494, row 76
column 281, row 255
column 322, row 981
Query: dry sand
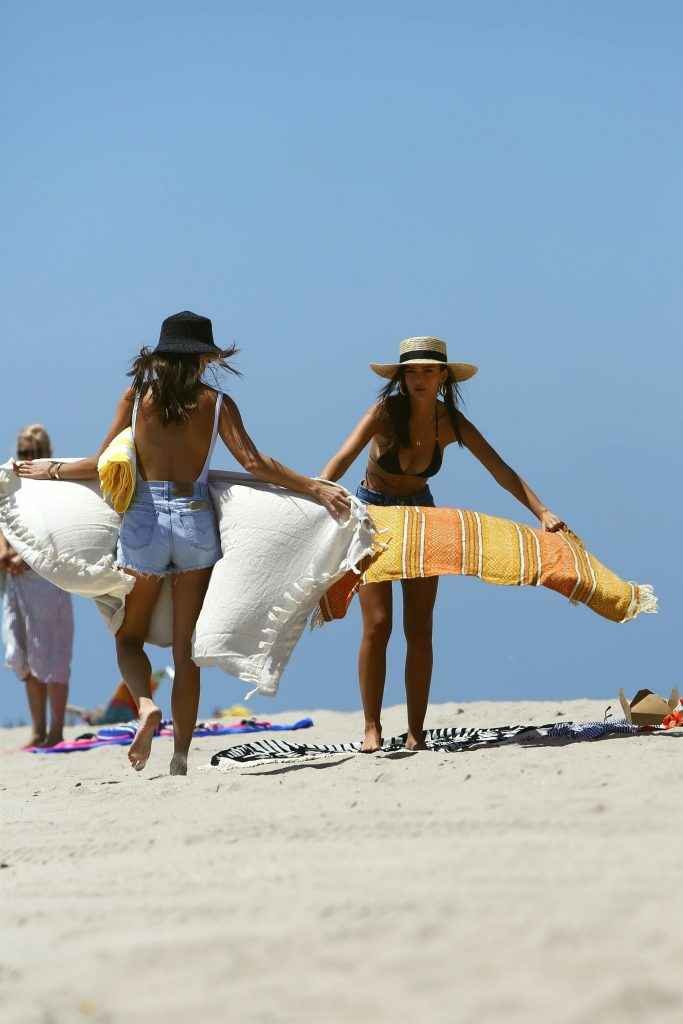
column 510, row 885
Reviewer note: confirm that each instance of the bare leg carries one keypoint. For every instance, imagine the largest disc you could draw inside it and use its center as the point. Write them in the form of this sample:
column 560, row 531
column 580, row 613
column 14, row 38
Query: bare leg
column 418, row 606
column 57, row 694
column 36, row 695
column 135, row 666
column 189, row 589
column 376, row 607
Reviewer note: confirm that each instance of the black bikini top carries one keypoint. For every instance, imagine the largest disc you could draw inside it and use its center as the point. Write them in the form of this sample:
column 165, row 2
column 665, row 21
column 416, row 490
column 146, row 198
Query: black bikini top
column 390, row 463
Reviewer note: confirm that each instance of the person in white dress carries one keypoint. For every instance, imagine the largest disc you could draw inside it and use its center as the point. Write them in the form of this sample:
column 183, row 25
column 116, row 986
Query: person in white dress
column 37, row 623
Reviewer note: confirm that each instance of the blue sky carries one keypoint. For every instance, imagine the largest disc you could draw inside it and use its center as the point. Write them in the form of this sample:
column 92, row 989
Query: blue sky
column 325, row 180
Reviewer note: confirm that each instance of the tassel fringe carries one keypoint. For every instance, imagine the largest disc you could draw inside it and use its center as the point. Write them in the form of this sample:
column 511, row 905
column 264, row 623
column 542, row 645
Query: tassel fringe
column 644, row 601
column 48, row 564
column 299, row 595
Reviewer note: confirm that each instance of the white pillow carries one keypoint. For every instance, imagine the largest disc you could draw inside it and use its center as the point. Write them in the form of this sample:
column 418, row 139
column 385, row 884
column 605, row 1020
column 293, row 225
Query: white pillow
column 281, row 552
column 67, row 533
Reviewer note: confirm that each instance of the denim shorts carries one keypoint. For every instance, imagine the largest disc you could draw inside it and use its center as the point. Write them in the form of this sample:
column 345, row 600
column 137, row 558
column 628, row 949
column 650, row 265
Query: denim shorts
column 423, row 497
column 168, row 528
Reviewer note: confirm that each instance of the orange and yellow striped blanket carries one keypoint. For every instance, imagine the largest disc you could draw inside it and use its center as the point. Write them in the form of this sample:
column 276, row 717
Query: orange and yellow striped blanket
column 416, row 542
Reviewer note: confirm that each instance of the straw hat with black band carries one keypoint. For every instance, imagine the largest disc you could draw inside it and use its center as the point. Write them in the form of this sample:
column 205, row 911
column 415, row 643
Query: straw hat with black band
column 424, row 351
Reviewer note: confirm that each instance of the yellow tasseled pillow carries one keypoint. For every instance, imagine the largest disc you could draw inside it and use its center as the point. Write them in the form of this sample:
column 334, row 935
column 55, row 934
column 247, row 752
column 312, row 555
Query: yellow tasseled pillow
column 117, row 469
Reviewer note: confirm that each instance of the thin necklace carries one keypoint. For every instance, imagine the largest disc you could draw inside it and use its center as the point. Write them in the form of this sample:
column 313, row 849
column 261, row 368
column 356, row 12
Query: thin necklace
column 418, row 443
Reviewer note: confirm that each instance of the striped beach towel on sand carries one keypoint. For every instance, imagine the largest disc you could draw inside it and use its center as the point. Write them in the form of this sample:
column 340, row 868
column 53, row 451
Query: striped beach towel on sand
column 450, row 740
column 418, row 542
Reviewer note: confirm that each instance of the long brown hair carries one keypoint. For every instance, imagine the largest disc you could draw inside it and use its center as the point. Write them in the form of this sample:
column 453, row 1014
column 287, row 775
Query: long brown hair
column 174, row 380
column 395, row 401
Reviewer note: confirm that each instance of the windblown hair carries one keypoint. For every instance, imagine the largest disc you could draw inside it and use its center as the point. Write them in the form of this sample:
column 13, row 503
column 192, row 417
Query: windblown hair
column 174, row 380
column 395, row 401
column 36, row 438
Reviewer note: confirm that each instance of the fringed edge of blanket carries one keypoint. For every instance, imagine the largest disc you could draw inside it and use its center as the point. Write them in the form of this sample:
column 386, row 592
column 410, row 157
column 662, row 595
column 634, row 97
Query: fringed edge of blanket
column 643, row 601
column 117, row 469
column 363, row 543
column 227, row 765
column 117, row 485
column 9, row 481
column 317, row 619
column 10, row 518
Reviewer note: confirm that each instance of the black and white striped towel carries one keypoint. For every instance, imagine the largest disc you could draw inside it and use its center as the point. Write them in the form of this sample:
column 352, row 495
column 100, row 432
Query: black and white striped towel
column 450, row 740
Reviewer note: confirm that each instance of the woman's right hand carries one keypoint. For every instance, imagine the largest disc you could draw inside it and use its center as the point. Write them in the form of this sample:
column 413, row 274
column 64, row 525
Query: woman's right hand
column 333, row 497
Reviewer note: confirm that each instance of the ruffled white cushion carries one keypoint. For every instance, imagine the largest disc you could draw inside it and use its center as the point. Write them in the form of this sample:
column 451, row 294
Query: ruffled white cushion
column 281, row 552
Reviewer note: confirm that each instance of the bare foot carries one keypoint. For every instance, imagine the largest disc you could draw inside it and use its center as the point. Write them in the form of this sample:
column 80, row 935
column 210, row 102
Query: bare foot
column 37, row 740
column 372, row 740
column 415, row 744
column 178, row 765
column 53, row 738
column 141, row 746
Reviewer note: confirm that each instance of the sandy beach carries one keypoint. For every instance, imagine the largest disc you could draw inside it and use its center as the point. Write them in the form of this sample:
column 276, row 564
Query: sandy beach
column 512, row 884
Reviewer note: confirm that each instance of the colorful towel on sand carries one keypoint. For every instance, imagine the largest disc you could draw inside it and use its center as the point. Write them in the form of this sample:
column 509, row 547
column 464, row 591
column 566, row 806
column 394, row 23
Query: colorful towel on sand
column 451, row 541
column 451, row 740
column 122, row 709
column 123, row 735
column 117, row 470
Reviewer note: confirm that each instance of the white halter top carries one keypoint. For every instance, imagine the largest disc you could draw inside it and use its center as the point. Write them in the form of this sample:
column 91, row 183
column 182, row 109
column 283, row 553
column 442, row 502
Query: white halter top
column 204, row 475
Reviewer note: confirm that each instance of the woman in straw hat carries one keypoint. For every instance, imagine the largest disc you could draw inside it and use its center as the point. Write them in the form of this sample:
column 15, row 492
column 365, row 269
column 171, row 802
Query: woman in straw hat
column 416, row 417
column 37, row 623
column 169, row 528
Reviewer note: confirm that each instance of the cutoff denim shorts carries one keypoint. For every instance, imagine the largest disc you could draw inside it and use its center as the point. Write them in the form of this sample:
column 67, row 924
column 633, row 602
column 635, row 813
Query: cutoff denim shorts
column 168, row 528
column 423, row 497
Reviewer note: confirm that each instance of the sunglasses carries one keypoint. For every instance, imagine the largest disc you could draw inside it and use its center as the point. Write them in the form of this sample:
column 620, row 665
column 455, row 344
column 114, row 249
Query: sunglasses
column 26, row 453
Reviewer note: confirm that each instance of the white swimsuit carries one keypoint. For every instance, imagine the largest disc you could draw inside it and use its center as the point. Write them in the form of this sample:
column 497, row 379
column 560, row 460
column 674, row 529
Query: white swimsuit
column 170, row 527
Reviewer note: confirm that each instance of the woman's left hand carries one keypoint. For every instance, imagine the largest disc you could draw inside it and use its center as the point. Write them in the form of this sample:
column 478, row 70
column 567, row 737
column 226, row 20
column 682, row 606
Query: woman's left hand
column 37, row 469
column 550, row 522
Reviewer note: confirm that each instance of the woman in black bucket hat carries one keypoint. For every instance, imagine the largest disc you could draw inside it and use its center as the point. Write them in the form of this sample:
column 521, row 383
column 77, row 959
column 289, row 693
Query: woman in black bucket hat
column 169, row 527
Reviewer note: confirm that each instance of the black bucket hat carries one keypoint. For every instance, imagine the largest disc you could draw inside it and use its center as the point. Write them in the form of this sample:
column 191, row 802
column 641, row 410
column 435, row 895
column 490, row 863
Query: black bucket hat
column 187, row 333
